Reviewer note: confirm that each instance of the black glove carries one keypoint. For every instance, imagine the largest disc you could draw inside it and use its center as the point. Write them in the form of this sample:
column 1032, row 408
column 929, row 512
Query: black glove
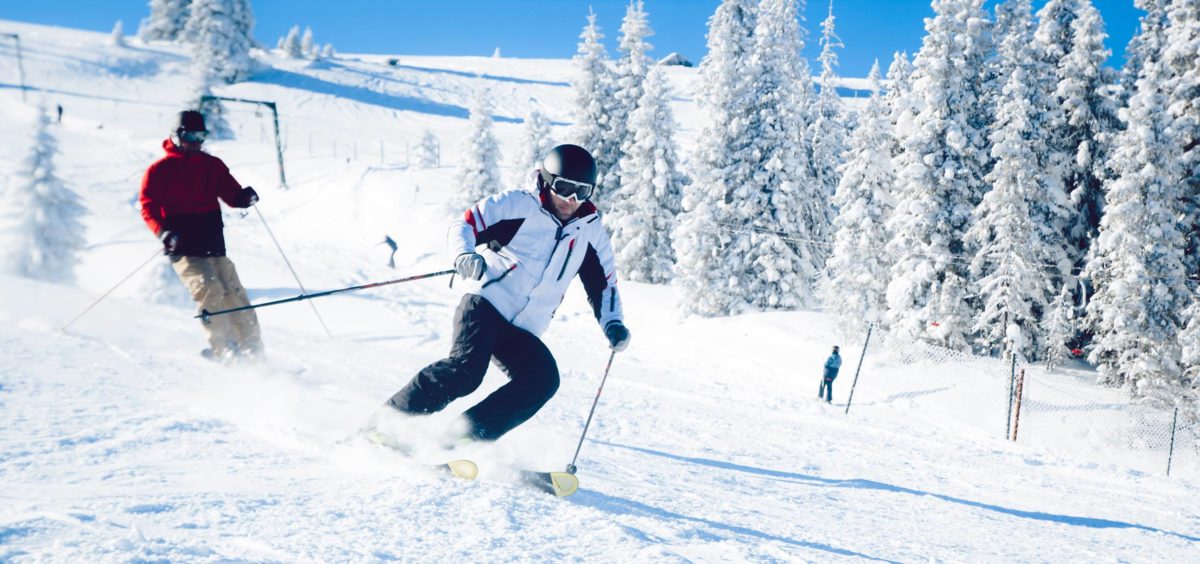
column 170, row 241
column 470, row 265
column 249, row 197
column 618, row 335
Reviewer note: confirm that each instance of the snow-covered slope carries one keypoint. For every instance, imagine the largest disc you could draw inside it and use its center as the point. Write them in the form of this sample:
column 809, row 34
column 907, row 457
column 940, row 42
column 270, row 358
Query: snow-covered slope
column 118, row 442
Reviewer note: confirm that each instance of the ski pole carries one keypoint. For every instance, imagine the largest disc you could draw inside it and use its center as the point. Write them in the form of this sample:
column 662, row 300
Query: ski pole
column 157, row 252
column 205, row 314
column 294, row 275
column 571, row 467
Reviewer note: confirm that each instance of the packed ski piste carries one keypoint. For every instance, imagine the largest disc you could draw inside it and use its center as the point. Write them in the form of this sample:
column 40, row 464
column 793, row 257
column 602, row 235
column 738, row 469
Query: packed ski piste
column 299, row 310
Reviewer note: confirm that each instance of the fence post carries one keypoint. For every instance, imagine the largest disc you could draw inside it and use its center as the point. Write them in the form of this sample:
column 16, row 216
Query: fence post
column 1012, row 381
column 1171, row 450
column 1020, row 394
column 857, row 370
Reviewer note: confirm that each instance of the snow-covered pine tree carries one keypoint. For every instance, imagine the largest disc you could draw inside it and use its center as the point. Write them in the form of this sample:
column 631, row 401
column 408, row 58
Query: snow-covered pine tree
column 630, row 77
column 1182, row 56
column 1188, row 396
column 220, row 33
column 478, row 173
column 307, row 48
column 899, row 98
column 709, row 236
column 787, row 209
column 291, row 43
column 117, row 37
column 1136, row 313
column 641, row 221
column 1019, row 227
column 428, row 150
column 166, row 20
column 827, row 133
column 327, row 52
column 1070, row 38
column 41, row 234
column 535, row 144
column 1058, row 326
column 939, row 180
column 1145, row 45
column 593, row 100
column 855, row 285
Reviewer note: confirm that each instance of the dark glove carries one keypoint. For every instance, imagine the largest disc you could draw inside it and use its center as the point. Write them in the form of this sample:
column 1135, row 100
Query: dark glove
column 249, row 197
column 618, row 335
column 170, row 241
column 470, row 266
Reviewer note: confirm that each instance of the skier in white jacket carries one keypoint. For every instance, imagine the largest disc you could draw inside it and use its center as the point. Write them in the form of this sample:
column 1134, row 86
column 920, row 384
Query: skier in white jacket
column 517, row 251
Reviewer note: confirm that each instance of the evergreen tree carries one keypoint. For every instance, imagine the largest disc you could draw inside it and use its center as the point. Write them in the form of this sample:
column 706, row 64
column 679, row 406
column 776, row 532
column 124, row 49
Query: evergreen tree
column 1019, row 226
column 478, row 174
column 632, row 66
column 428, row 151
column 327, row 52
column 307, row 48
column 1136, row 313
column 787, row 210
column 291, row 43
column 710, row 238
column 117, row 37
column 220, row 33
column 166, row 20
column 855, row 285
column 593, row 86
column 41, row 234
column 1182, row 56
column 1059, row 329
column 535, row 143
column 939, row 179
column 1145, row 45
column 641, row 221
column 828, row 131
column 899, row 98
column 1188, row 394
column 1070, row 40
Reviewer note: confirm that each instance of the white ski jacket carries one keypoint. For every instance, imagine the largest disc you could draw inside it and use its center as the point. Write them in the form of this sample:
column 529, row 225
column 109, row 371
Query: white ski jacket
column 531, row 258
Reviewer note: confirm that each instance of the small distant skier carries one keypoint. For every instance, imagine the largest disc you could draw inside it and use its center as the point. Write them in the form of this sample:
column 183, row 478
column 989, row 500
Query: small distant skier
column 59, row 107
column 518, row 252
column 179, row 199
column 832, row 365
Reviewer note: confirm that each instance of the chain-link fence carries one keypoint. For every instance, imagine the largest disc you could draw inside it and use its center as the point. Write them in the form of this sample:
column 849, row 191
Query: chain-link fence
column 1062, row 413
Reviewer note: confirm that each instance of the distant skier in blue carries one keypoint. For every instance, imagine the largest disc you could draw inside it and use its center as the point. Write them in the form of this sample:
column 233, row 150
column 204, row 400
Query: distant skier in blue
column 832, row 365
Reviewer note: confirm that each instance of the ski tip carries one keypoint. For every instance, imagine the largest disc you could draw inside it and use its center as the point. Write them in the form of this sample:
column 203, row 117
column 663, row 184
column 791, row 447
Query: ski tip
column 564, row 484
column 464, row 469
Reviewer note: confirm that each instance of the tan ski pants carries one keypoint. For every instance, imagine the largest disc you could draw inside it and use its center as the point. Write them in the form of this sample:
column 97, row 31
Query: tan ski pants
column 213, row 283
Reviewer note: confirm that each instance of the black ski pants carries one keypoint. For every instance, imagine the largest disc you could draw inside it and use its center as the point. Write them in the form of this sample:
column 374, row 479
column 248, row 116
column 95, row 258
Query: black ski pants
column 481, row 334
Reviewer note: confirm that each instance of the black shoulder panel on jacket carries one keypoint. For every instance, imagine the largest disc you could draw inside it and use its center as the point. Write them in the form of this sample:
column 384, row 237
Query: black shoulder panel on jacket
column 500, row 234
column 594, row 280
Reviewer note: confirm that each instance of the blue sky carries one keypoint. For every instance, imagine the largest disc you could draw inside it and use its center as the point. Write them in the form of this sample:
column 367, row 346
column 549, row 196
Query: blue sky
column 870, row 29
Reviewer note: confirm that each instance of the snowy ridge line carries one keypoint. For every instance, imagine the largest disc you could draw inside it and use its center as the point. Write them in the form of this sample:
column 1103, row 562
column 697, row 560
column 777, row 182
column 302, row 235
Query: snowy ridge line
column 1052, row 418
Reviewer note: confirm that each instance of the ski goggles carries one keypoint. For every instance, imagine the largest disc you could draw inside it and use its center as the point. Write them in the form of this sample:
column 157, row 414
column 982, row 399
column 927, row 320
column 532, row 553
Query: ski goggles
column 192, row 136
column 566, row 188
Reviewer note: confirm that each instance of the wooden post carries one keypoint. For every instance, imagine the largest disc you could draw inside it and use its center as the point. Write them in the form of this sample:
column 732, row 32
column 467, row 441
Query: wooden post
column 857, row 370
column 1020, row 394
column 1171, row 450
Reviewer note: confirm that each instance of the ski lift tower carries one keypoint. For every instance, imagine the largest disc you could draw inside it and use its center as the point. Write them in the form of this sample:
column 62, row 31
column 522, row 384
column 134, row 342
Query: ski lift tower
column 275, row 119
column 20, row 66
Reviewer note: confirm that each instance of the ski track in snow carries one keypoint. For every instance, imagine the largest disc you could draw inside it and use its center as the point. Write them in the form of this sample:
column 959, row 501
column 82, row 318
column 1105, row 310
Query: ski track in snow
column 120, row 444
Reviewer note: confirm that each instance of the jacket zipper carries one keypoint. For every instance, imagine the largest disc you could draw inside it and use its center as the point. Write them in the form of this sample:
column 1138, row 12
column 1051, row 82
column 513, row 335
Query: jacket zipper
column 570, row 249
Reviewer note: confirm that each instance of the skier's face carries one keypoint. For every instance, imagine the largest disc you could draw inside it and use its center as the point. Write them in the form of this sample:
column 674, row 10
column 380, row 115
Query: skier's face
column 564, row 208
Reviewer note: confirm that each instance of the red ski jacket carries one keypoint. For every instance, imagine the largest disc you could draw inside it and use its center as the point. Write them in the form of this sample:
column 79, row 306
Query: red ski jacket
column 179, row 193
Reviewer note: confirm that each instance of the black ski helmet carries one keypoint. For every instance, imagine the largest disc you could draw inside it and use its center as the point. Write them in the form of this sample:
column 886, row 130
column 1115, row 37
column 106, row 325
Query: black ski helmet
column 571, row 162
column 190, row 120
